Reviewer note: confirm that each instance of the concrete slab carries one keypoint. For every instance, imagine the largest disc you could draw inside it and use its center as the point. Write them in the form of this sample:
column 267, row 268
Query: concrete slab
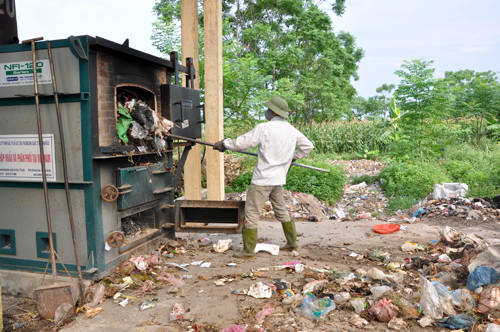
column 19, row 283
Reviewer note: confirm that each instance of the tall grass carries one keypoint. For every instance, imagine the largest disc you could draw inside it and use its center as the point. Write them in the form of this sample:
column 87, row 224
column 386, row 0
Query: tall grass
column 345, row 137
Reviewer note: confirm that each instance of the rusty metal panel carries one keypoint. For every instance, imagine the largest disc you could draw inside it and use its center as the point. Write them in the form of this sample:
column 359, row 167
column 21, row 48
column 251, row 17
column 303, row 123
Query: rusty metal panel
column 50, row 297
column 209, row 216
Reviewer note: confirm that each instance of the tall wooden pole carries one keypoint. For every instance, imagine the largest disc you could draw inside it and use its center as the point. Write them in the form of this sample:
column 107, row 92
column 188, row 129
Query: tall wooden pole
column 190, row 49
column 214, row 130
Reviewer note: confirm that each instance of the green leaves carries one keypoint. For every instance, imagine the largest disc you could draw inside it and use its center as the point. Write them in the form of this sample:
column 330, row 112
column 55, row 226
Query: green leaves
column 286, row 48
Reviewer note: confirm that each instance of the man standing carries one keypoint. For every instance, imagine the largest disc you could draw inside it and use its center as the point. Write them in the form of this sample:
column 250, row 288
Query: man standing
column 277, row 140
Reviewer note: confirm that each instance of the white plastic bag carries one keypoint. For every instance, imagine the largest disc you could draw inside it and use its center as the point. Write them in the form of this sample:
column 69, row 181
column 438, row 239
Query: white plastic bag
column 450, row 190
column 429, row 300
column 379, row 291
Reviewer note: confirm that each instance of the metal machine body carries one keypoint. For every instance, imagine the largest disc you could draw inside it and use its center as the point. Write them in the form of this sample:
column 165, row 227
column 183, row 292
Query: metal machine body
column 111, row 184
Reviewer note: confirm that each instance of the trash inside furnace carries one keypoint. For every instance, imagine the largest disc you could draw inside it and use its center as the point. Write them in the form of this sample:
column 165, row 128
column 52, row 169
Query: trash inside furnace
column 117, row 105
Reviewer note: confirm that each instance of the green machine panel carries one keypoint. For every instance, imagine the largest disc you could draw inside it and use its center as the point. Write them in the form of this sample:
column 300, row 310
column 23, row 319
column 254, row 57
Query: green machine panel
column 142, row 184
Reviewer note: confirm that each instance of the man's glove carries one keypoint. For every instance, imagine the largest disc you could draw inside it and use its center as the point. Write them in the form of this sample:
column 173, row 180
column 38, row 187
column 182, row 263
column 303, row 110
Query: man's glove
column 220, row 146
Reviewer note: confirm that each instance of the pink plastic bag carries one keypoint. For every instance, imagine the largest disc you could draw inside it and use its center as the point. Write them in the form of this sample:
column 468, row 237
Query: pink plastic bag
column 170, row 278
column 235, row 328
column 148, row 285
column 384, row 311
column 266, row 311
column 153, row 260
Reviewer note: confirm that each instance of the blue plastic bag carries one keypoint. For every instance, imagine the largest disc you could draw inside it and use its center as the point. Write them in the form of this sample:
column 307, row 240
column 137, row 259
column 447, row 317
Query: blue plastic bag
column 420, row 212
column 482, row 276
column 457, row 322
column 314, row 308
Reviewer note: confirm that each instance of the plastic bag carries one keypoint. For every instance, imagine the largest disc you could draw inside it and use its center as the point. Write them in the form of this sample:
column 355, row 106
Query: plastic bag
column 493, row 328
column 137, row 131
column 124, row 121
column 98, row 296
column 490, row 256
column 489, row 299
column 341, row 298
column 314, row 309
column 357, row 321
column 358, row 305
column 379, row 291
column 169, row 277
column 482, row 276
column 384, row 311
column 143, row 115
column 235, row 328
column 397, row 324
column 177, row 312
column 377, row 275
column 386, row 228
column 442, row 290
column 266, row 311
column 457, row 322
column 160, row 144
column 450, row 190
column 63, row 311
column 429, row 299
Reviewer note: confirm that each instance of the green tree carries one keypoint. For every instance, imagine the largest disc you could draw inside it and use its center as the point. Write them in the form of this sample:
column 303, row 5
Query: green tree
column 286, row 48
column 478, row 98
column 415, row 91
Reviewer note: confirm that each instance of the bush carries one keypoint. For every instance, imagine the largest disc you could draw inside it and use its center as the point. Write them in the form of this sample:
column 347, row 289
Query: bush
column 242, row 182
column 474, row 166
column 412, row 180
column 327, row 187
column 324, row 186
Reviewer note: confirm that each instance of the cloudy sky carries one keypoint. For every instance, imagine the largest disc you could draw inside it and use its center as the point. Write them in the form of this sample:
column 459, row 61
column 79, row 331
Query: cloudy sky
column 456, row 34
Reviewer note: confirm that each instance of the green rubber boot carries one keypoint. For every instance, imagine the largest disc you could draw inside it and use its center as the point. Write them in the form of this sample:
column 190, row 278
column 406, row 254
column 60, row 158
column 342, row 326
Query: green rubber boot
column 249, row 243
column 291, row 236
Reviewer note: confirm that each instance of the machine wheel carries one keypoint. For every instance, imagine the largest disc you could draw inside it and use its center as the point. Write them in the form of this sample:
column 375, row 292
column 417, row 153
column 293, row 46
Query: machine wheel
column 116, row 239
column 109, row 193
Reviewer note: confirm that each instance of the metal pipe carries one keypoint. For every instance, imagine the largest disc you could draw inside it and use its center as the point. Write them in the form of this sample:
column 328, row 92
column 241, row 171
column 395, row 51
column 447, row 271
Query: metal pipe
column 244, row 152
column 42, row 155
column 65, row 171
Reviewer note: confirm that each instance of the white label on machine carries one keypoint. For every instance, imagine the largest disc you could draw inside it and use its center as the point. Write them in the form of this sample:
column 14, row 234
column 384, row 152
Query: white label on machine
column 21, row 73
column 20, row 158
column 185, row 124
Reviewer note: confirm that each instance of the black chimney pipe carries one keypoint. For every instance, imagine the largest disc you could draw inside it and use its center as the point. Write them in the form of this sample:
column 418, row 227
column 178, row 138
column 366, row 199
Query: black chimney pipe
column 8, row 22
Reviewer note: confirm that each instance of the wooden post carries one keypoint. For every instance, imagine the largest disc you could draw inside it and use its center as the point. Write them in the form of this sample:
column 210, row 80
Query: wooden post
column 189, row 33
column 214, row 130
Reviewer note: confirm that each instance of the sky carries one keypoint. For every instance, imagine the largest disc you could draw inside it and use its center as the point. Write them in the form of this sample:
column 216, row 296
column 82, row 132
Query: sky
column 456, row 34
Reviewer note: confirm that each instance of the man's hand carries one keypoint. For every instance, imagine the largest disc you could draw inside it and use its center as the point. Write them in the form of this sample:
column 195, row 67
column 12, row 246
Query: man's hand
column 220, row 146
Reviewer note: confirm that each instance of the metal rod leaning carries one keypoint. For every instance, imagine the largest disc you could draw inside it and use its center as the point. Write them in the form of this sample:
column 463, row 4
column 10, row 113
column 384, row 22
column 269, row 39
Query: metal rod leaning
column 42, row 155
column 65, row 171
column 244, row 152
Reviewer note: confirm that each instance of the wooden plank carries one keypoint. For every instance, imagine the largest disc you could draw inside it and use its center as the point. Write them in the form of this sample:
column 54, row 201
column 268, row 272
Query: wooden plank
column 214, row 130
column 190, row 49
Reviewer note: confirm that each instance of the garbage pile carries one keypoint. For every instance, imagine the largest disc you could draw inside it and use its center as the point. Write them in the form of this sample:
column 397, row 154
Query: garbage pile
column 360, row 167
column 477, row 209
column 362, row 201
column 454, row 284
column 140, row 126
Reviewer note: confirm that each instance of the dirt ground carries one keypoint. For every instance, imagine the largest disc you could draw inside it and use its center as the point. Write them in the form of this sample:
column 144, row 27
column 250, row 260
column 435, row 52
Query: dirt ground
column 324, row 245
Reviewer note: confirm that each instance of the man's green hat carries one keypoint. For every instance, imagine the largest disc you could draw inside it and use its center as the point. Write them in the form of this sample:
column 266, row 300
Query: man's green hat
column 278, row 106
